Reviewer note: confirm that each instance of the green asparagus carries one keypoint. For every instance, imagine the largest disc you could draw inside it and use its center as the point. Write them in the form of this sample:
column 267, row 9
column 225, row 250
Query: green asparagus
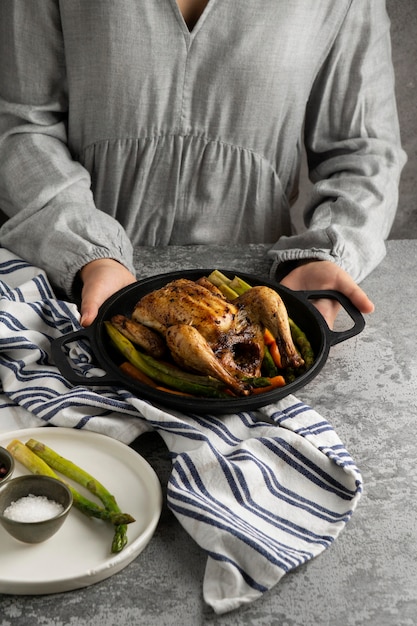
column 300, row 339
column 218, row 279
column 229, row 287
column 35, row 464
column 239, row 285
column 268, row 365
column 72, row 471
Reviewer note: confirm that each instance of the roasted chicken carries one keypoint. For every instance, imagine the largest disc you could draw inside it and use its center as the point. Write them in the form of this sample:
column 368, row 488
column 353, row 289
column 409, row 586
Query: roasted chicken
column 141, row 335
column 206, row 333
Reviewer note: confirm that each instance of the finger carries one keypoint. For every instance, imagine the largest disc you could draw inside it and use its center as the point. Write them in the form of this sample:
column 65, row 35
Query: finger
column 88, row 315
column 90, row 305
column 359, row 298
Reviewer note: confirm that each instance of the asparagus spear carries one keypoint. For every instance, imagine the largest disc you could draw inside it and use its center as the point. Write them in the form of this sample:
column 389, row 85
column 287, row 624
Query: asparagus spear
column 119, row 538
column 37, row 465
column 239, row 285
column 231, row 288
column 29, row 459
column 72, row 471
column 218, row 278
column 300, row 338
column 228, row 292
column 268, row 365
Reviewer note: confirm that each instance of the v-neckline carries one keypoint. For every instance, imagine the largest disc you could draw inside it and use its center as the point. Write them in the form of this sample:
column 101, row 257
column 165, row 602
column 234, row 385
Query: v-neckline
column 191, row 33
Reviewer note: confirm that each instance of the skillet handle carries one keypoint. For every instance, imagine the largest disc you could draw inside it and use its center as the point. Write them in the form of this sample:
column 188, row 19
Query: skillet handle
column 63, row 363
column 354, row 313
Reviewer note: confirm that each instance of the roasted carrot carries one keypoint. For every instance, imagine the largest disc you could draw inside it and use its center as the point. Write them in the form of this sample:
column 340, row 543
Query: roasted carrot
column 276, row 381
column 175, row 391
column 270, row 341
column 268, row 337
column 276, row 355
column 135, row 373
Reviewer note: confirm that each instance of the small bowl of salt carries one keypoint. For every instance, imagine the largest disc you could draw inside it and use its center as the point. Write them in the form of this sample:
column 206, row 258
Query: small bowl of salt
column 33, row 507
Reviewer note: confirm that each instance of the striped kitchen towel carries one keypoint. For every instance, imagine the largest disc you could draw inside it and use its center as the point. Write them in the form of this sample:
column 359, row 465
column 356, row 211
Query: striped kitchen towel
column 262, row 492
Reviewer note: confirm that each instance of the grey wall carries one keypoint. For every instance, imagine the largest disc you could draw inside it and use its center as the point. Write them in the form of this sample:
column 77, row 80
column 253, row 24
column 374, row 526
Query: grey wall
column 403, row 14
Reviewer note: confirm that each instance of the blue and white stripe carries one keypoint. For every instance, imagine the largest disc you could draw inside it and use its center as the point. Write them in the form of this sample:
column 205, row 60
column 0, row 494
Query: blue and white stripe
column 262, row 492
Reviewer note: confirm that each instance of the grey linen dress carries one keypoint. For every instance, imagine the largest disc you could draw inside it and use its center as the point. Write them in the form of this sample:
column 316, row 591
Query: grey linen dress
column 120, row 127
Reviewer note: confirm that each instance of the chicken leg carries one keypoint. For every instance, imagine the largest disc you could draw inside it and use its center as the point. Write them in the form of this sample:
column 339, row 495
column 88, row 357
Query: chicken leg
column 265, row 306
column 190, row 349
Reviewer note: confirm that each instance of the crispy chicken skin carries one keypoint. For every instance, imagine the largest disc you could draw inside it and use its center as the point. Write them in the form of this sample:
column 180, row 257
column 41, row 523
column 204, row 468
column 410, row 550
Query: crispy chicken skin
column 150, row 341
column 184, row 301
column 206, row 333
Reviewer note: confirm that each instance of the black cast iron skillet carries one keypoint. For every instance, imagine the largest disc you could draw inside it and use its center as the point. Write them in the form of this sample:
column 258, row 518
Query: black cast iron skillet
column 299, row 308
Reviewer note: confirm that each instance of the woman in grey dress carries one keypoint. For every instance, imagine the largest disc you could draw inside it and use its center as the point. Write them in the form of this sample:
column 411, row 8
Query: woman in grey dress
column 182, row 121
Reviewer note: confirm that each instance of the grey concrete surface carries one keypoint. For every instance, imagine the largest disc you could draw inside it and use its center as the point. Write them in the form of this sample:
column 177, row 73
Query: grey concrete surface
column 368, row 577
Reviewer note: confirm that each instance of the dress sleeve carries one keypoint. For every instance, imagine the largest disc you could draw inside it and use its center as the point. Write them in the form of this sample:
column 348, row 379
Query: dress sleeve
column 53, row 222
column 353, row 149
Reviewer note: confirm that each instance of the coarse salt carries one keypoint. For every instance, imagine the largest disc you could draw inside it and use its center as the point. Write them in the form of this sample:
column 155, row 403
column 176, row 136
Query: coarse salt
column 32, row 508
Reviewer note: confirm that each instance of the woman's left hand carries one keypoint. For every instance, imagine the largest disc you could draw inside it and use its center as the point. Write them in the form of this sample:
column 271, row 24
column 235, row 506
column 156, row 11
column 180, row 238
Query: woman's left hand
column 316, row 275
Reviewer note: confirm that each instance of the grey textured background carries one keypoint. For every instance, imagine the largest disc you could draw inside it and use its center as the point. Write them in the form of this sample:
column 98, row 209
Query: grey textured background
column 403, row 14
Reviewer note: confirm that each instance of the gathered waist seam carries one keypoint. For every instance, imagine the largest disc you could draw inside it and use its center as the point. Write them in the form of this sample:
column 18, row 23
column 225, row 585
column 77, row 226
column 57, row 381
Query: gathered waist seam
column 202, row 136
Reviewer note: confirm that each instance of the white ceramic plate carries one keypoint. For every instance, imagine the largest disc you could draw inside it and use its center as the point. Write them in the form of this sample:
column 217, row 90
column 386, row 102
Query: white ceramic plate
column 80, row 553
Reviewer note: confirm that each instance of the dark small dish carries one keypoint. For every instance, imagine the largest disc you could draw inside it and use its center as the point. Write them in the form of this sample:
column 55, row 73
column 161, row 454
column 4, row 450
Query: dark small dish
column 6, row 465
column 34, row 531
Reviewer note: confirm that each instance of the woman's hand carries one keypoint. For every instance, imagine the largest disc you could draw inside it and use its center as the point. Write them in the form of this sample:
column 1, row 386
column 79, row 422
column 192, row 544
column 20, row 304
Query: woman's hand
column 315, row 275
column 101, row 279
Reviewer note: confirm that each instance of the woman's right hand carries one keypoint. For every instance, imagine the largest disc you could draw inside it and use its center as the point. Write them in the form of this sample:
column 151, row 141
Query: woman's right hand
column 101, row 279
column 318, row 275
